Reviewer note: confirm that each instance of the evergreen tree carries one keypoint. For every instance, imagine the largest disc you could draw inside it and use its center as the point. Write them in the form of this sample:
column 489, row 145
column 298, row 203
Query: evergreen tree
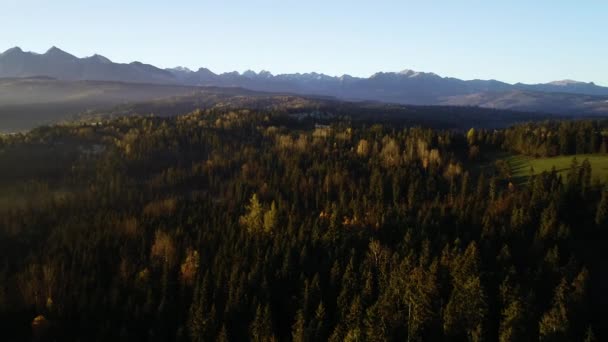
column 601, row 214
column 298, row 329
column 223, row 335
column 261, row 329
column 467, row 308
column 253, row 219
column 554, row 324
column 270, row 218
column 317, row 325
column 512, row 324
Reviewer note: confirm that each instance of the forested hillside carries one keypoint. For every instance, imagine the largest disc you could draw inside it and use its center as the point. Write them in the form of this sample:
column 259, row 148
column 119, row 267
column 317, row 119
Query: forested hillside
column 236, row 225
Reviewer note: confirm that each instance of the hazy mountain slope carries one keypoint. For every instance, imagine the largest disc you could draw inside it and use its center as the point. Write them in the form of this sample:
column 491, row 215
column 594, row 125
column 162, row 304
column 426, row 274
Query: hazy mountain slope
column 28, row 102
column 410, row 87
column 559, row 103
column 566, row 86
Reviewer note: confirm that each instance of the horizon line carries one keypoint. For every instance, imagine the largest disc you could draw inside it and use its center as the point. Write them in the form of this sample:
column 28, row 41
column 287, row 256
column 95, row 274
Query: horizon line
column 241, row 73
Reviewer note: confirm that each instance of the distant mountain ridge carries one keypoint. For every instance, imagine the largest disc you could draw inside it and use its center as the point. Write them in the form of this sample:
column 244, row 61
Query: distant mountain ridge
column 405, row 87
column 59, row 64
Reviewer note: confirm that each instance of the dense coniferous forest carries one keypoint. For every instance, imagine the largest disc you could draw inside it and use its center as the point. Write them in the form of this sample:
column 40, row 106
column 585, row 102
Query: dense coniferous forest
column 237, row 225
column 557, row 138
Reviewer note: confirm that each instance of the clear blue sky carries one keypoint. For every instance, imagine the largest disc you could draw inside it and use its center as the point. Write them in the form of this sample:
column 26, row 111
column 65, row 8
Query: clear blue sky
column 529, row 41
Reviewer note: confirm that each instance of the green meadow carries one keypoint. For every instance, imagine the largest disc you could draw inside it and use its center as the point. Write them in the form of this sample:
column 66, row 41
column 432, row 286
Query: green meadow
column 523, row 166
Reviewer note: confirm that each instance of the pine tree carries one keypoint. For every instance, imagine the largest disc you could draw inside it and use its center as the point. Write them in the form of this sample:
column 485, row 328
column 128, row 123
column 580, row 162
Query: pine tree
column 253, row 219
column 548, row 222
column 270, row 218
column 471, row 136
column 316, row 327
column 601, row 214
column 354, row 318
column 467, row 307
column 298, row 329
column 375, row 325
column 511, row 324
column 261, row 329
column 199, row 320
column 554, row 324
column 573, row 174
column 589, row 335
column 419, row 293
column 223, row 335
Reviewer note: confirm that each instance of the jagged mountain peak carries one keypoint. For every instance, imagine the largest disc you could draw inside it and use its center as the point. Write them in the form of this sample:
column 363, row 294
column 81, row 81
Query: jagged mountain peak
column 205, row 71
column 98, row 59
column 62, row 65
column 407, row 72
column 249, row 73
column 414, row 73
column 257, row 75
column 566, row 82
column 180, row 69
column 13, row 50
column 231, row 73
column 55, row 51
column 406, row 86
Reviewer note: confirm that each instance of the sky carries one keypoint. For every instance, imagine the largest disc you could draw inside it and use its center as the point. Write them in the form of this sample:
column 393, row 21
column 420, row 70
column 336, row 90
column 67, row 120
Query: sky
column 514, row 41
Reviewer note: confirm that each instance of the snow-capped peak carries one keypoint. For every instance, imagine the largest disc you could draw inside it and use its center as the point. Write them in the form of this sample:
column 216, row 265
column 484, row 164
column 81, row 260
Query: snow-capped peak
column 565, row 82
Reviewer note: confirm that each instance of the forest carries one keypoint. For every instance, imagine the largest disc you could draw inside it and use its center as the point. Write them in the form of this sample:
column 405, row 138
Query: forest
column 253, row 225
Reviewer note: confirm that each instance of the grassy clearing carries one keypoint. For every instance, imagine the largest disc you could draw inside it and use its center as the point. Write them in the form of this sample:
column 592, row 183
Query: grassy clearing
column 523, row 166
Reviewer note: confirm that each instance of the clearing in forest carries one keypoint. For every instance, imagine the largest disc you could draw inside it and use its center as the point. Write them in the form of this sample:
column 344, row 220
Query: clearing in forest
column 523, row 166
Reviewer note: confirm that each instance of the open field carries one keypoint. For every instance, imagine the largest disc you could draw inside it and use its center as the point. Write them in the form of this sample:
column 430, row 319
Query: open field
column 523, row 166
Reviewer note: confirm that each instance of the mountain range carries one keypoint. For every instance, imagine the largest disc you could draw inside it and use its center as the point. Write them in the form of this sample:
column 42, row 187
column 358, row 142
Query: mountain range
column 405, row 87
